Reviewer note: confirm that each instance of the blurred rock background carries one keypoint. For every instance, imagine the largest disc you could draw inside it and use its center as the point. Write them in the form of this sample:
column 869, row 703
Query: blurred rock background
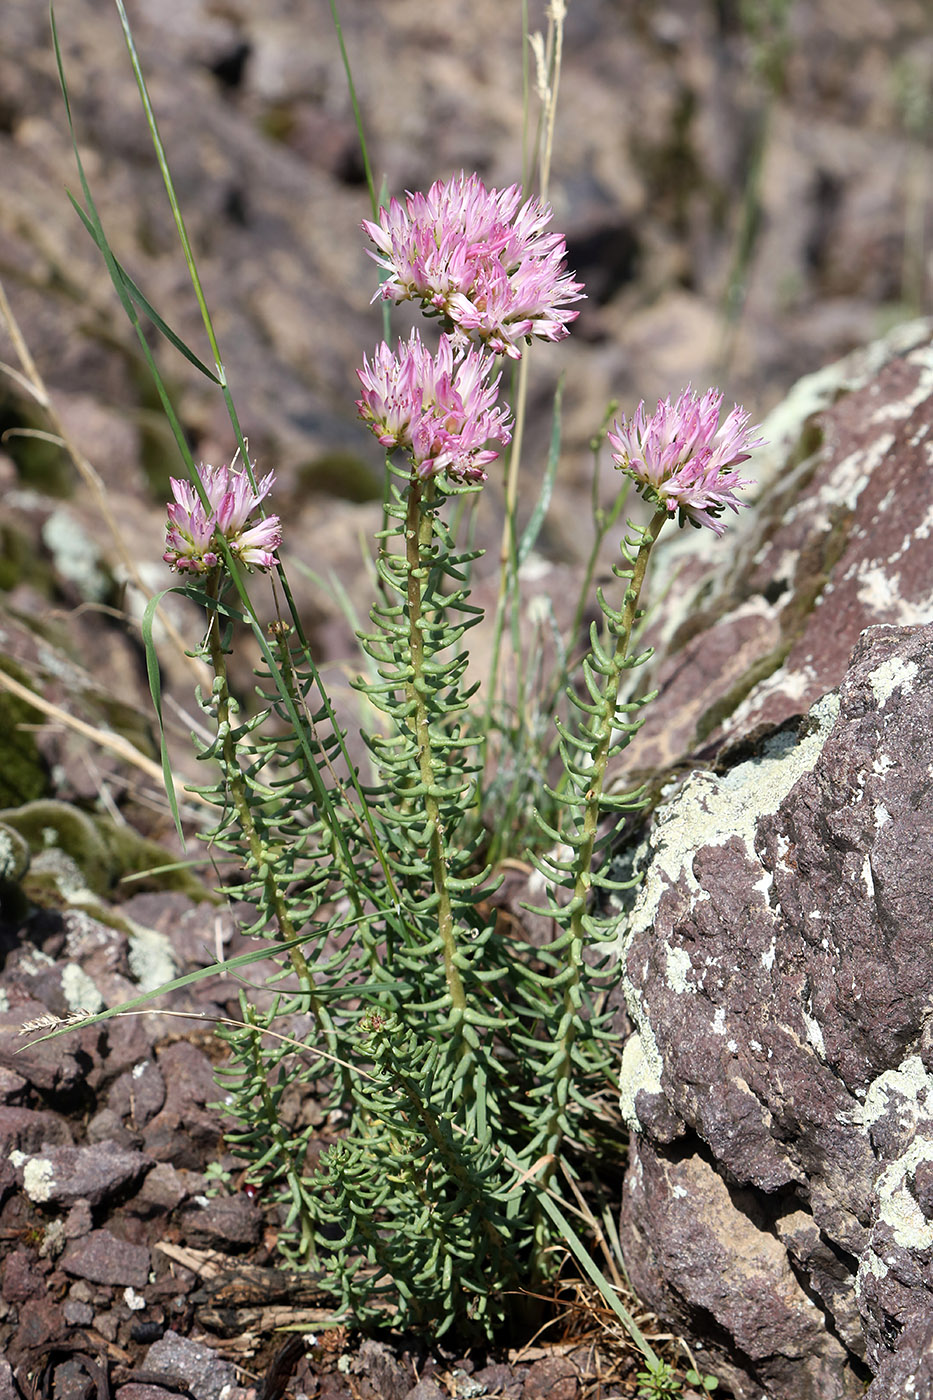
column 743, row 186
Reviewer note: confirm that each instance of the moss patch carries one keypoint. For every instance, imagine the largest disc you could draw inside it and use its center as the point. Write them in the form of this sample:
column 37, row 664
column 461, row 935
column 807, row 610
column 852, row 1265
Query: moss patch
column 103, row 852
column 24, row 775
column 340, row 474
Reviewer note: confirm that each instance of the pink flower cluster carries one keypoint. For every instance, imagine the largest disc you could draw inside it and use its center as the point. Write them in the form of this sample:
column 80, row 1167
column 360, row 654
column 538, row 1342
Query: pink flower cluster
column 191, row 533
column 441, row 408
column 481, row 259
column 683, row 459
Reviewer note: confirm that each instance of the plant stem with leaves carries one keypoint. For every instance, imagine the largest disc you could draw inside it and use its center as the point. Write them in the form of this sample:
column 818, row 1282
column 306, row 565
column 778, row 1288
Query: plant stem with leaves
column 419, row 534
column 602, row 730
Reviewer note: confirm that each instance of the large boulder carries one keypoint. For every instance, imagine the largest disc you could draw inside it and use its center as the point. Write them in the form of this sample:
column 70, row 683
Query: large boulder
column 778, row 1085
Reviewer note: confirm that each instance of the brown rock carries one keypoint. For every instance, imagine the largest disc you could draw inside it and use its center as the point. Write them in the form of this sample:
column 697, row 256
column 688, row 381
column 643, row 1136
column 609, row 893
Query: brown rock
column 228, row 1223
column 47, row 1065
column 13, row 1087
column 20, row 1277
column 41, row 1322
column 138, row 1095
column 426, row 1389
column 8, row 1181
column 78, row 1314
column 379, row 1374
column 908, row 1374
column 137, row 1391
column 501, row 1379
column 78, row 1221
column 74, row 1378
column 130, row 1038
column 333, row 1386
column 8, row 1390
column 107, row 1323
column 64, row 1175
column 183, row 1128
column 713, row 1251
column 207, row 1376
column 923, row 1186
column 107, row 1127
column 27, row 1129
column 551, row 1378
column 162, row 1190
column 103, row 1258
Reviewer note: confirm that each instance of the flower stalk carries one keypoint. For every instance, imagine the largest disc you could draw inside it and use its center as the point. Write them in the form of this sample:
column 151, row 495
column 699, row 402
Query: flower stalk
column 606, row 716
column 608, row 708
column 419, row 535
column 259, row 855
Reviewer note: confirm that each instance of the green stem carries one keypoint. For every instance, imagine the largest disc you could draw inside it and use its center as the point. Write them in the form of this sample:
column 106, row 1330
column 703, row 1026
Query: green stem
column 610, row 705
column 508, row 548
column 259, row 857
column 357, row 115
column 419, row 533
column 551, row 1132
column 273, row 1124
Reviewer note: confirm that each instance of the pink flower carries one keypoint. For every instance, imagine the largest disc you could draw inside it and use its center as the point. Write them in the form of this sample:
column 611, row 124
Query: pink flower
column 232, row 497
column 681, row 458
column 256, row 546
column 441, row 409
column 475, row 257
column 191, row 533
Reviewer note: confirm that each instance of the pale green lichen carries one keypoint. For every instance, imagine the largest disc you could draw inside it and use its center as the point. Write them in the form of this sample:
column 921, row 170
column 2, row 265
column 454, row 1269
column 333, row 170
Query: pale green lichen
column 640, row 1071
column 53, row 873
column 678, row 970
column 38, row 1177
column 706, row 810
column 897, row 1205
column 79, row 990
column 904, row 405
column 711, row 810
column 151, row 959
column 14, row 854
column 34, row 962
column 53, row 1240
column 909, row 1082
column 48, row 824
column 75, row 555
column 889, row 676
column 909, row 1089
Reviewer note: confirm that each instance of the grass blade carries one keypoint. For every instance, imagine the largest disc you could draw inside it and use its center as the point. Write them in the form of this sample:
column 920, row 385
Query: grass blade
column 596, row 1276
column 155, row 690
column 533, row 528
column 142, row 301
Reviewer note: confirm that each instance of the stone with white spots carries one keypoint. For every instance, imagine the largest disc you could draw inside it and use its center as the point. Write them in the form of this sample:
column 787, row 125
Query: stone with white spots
column 62, row 1175
column 778, row 974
